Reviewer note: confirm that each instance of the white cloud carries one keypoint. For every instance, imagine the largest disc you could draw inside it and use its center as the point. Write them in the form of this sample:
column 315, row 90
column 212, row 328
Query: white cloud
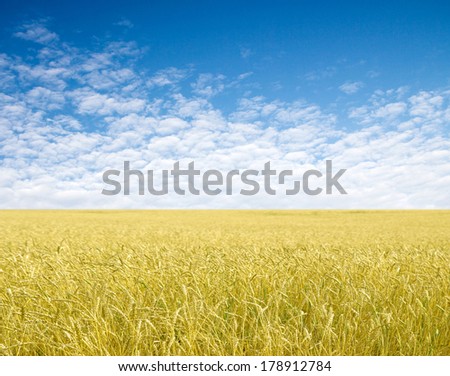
column 70, row 114
column 107, row 79
column 243, row 76
column 42, row 98
column 351, row 87
column 124, row 49
column 43, row 75
column 172, row 125
column 125, row 23
column 321, row 74
column 391, row 110
column 67, row 122
column 246, row 52
column 208, row 85
column 36, row 32
column 425, row 104
column 166, row 77
column 90, row 102
column 373, row 74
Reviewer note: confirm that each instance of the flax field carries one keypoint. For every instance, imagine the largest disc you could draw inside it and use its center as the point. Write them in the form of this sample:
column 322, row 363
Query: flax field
column 225, row 282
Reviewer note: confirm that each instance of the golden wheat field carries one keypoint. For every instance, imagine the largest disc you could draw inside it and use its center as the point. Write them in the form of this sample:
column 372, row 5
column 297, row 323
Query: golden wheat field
column 225, row 283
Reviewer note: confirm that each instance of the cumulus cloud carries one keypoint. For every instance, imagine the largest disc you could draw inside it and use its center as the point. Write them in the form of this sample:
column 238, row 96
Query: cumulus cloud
column 208, row 85
column 36, row 32
column 391, row 110
column 42, row 98
column 90, row 102
column 166, row 77
column 351, row 87
column 245, row 52
column 72, row 113
column 321, row 74
column 125, row 23
column 172, row 125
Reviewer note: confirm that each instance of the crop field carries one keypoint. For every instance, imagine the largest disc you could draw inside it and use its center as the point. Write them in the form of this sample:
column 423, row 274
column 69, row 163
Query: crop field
column 225, row 283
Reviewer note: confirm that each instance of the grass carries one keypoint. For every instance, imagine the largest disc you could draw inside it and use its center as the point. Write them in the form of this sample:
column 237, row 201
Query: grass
column 225, row 283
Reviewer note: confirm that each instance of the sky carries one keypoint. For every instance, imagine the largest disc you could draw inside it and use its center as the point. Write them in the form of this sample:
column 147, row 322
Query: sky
column 85, row 86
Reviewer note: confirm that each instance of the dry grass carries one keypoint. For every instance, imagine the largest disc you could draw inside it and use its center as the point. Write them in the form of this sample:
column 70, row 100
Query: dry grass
column 224, row 283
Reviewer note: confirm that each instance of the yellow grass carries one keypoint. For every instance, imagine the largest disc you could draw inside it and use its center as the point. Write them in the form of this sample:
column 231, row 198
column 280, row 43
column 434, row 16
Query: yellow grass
column 224, row 283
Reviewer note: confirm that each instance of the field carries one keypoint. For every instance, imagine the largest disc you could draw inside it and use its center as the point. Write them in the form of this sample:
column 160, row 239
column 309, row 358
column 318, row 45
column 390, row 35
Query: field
column 225, row 283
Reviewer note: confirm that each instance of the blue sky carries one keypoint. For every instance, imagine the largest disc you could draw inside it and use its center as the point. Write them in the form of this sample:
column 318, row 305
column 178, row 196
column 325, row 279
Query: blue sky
column 86, row 85
column 294, row 48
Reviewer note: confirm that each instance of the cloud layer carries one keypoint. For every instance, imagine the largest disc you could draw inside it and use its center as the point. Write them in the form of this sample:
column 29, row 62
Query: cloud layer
column 67, row 114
